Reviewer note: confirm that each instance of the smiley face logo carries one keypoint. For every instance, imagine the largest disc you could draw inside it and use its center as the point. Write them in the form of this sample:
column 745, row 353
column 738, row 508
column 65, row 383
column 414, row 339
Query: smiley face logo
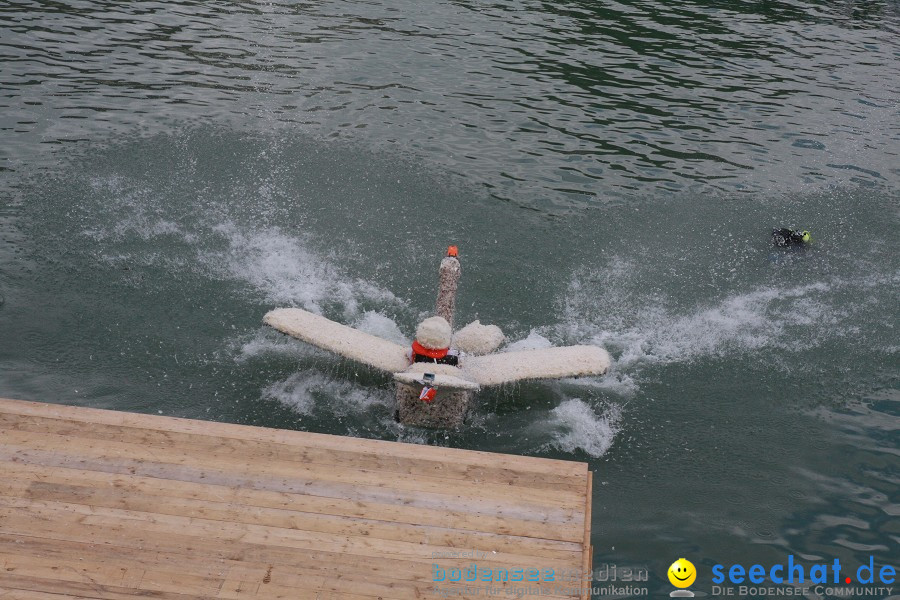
column 682, row 573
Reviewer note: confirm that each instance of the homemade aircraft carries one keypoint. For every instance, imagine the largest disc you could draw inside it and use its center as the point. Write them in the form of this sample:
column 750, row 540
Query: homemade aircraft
column 438, row 377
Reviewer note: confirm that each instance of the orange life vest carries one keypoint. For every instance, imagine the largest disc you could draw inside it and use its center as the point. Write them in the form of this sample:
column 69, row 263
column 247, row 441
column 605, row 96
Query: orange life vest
column 418, row 348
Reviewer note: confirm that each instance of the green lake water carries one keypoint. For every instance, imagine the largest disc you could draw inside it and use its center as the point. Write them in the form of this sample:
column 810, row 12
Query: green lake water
column 611, row 171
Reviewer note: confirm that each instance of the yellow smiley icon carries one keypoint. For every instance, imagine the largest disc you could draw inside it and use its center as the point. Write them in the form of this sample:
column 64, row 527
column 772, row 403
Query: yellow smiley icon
column 682, row 573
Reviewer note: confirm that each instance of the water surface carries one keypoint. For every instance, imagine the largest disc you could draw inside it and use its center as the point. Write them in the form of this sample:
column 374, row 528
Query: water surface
column 610, row 171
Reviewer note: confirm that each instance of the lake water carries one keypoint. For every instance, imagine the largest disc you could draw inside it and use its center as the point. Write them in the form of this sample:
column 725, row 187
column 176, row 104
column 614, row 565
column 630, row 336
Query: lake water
column 611, row 171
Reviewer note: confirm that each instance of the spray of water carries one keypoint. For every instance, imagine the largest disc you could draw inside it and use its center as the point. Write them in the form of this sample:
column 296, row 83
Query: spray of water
column 307, row 391
column 576, row 425
column 609, row 307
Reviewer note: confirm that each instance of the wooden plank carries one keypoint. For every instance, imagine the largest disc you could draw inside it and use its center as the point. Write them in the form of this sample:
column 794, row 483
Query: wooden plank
column 29, row 588
column 32, row 595
column 254, row 449
column 294, row 438
column 130, row 569
column 81, row 589
column 260, row 450
column 200, row 561
column 346, row 583
column 134, row 529
column 587, row 553
column 41, row 449
column 177, row 561
column 20, row 515
column 340, row 507
column 103, row 505
column 321, row 564
column 78, row 439
column 29, row 595
column 109, row 572
column 58, row 523
column 280, row 518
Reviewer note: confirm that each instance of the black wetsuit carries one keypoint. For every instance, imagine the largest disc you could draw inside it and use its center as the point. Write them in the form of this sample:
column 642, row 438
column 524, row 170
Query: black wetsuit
column 787, row 237
column 447, row 359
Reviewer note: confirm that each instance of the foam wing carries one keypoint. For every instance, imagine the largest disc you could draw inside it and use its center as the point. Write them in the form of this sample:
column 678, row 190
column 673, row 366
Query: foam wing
column 340, row 339
column 544, row 363
column 449, row 380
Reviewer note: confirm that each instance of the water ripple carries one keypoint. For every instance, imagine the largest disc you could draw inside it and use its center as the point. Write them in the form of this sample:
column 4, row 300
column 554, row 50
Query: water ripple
column 570, row 96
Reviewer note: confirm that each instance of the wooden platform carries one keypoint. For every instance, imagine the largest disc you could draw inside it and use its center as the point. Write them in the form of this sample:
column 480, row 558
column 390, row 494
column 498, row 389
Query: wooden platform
column 101, row 504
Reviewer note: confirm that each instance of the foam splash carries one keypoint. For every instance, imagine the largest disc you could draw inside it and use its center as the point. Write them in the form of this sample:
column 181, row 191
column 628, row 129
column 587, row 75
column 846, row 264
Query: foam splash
column 739, row 323
column 310, row 391
column 266, row 341
column 382, row 326
column 580, row 427
column 281, row 265
column 534, row 341
column 136, row 211
column 646, row 329
column 409, row 435
column 614, row 382
column 287, row 271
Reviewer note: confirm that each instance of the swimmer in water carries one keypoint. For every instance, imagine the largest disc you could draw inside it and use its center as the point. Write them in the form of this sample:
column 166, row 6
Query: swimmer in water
column 784, row 238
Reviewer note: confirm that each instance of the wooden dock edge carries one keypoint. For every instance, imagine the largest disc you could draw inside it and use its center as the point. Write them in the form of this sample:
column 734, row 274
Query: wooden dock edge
column 279, row 520
column 188, row 425
column 588, row 551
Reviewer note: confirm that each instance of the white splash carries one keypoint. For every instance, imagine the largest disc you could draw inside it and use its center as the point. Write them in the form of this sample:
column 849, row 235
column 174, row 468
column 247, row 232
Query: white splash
column 534, row 341
column 287, row 271
column 580, row 427
column 311, row 391
column 646, row 330
column 266, row 341
column 281, row 265
column 614, row 381
column 382, row 326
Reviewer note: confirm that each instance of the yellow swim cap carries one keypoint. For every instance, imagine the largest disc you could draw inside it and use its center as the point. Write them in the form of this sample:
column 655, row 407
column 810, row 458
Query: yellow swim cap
column 806, row 237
